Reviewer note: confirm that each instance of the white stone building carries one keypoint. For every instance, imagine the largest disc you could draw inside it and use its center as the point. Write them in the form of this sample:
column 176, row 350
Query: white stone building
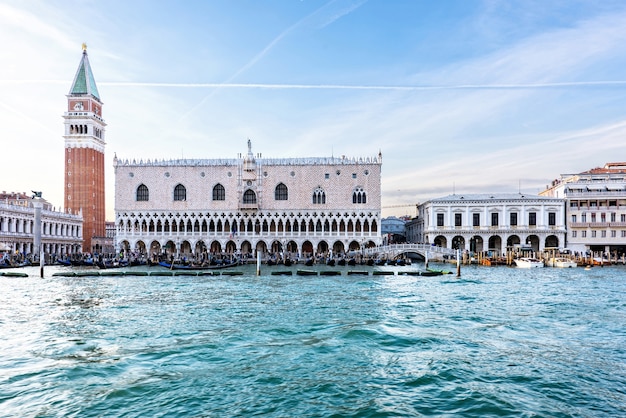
column 596, row 208
column 300, row 205
column 61, row 233
column 492, row 222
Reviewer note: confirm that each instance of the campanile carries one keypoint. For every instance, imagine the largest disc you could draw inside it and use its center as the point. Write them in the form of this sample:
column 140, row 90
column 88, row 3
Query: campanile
column 84, row 153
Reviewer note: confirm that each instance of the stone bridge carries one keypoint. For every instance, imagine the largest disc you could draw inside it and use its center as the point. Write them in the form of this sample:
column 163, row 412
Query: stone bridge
column 395, row 250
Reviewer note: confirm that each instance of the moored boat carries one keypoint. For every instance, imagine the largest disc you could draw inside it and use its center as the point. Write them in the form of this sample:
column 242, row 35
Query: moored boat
column 528, row 263
column 561, row 262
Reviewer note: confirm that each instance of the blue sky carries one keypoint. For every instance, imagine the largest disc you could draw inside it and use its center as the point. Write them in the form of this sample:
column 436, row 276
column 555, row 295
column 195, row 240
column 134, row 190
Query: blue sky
column 466, row 96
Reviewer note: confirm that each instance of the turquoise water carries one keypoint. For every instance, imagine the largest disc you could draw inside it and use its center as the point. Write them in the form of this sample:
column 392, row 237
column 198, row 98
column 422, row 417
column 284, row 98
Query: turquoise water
column 496, row 342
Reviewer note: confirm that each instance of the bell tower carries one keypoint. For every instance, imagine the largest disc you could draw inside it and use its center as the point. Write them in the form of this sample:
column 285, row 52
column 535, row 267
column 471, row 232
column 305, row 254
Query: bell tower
column 84, row 153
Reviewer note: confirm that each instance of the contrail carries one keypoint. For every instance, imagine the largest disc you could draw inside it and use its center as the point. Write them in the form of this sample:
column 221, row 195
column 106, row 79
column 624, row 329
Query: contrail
column 336, row 86
column 371, row 87
column 265, row 50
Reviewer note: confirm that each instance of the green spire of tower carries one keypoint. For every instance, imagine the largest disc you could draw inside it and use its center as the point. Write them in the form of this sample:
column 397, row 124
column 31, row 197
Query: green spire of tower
column 84, row 82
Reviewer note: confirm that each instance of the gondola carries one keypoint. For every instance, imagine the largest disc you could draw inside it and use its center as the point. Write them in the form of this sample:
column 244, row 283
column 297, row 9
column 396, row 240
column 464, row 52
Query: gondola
column 108, row 264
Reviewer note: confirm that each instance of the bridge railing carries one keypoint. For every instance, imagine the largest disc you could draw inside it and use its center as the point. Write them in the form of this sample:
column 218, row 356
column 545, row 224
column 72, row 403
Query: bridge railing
column 393, row 250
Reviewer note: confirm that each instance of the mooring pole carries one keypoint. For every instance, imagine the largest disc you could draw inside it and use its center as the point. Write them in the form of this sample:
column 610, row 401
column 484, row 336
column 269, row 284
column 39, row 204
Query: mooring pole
column 458, row 262
column 426, row 260
column 258, row 263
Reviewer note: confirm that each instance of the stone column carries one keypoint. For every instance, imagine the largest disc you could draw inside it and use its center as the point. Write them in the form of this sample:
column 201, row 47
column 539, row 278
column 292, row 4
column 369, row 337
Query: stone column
column 38, row 205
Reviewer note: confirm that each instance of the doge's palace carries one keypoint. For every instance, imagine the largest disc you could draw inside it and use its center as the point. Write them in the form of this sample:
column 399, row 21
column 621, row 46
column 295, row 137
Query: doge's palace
column 304, row 206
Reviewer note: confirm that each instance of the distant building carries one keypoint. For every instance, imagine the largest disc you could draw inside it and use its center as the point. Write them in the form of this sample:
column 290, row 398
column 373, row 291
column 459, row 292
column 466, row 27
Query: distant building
column 413, row 231
column 302, row 206
column 595, row 208
column 61, row 233
column 392, row 229
column 492, row 222
column 106, row 244
column 84, row 154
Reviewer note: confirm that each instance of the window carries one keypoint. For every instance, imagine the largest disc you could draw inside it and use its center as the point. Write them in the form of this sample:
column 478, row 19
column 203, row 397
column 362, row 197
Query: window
column 180, row 193
column 494, row 219
column 573, row 218
column 623, row 234
column 603, row 217
column 319, row 197
column 583, row 234
column 583, row 217
column 513, row 219
column 551, row 218
column 603, row 234
column 281, row 193
column 219, row 193
column 532, row 218
column 143, row 194
column 574, row 234
column 457, row 219
column 358, row 195
column 613, row 234
column 440, row 219
column 476, row 219
column 249, row 197
column 622, row 217
column 593, row 217
column 613, row 217
column 327, row 175
column 593, row 234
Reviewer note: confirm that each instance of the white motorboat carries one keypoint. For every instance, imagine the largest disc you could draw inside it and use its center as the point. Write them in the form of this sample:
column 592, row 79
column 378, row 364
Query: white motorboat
column 528, row 263
column 561, row 262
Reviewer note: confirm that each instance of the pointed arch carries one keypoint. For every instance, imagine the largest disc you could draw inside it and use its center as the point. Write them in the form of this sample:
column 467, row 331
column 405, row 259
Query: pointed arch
column 319, row 196
column 180, row 193
column 249, row 197
column 359, row 196
column 281, row 192
column 219, row 193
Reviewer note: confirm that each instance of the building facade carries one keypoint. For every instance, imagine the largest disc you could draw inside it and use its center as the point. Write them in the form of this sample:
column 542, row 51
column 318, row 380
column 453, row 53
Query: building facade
column 595, row 208
column 492, row 222
column 413, row 231
column 303, row 206
column 84, row 154
column 393, row 230
column 61, row 233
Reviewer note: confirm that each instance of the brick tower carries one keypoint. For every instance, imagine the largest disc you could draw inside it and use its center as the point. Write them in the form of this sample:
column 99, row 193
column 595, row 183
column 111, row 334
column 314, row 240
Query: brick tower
column 84, row 154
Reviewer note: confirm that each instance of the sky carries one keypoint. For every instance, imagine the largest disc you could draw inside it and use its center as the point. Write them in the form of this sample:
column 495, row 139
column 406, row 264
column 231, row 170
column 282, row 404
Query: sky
column 459, row 96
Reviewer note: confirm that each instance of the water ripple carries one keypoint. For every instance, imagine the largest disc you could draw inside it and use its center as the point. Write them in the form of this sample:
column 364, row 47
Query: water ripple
column 497, row 342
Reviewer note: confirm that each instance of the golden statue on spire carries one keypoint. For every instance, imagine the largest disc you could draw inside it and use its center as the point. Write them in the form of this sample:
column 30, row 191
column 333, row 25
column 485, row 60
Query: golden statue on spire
column 84, row 46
